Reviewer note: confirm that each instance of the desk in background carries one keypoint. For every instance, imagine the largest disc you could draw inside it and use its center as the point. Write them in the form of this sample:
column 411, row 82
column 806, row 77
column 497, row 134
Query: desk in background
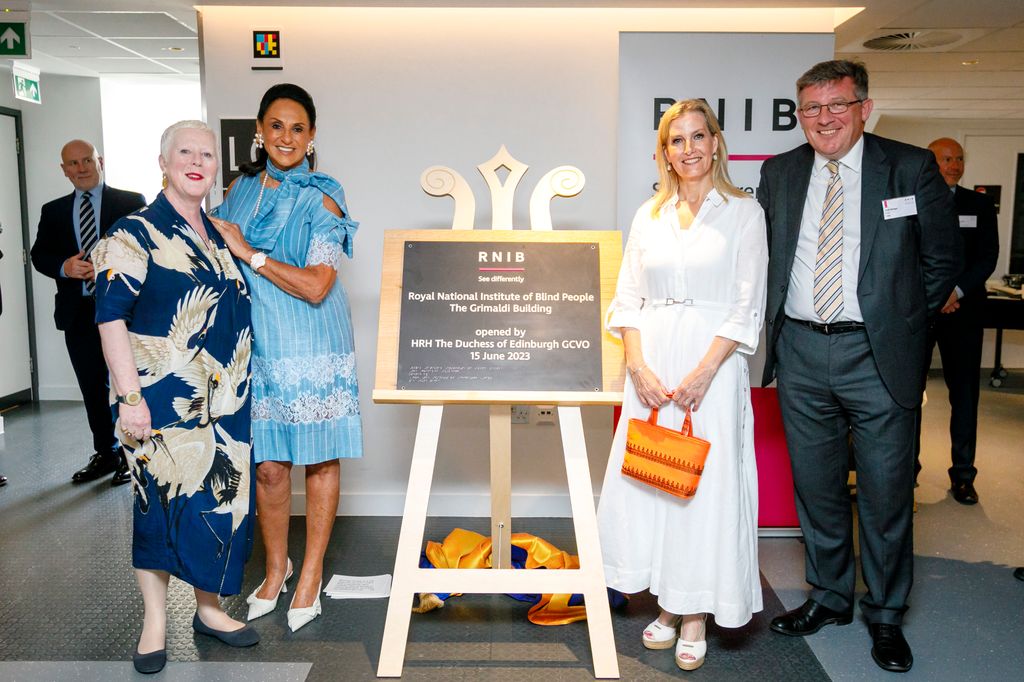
column 1001, row 311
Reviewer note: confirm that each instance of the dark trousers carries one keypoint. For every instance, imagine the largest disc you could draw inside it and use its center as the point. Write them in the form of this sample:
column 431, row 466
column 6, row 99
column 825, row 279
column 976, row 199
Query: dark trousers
column 959, row 336
column 831, row 393
column 82, row 339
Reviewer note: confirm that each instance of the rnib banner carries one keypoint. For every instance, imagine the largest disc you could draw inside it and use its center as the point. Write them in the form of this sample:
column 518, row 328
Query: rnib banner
column 747, row 78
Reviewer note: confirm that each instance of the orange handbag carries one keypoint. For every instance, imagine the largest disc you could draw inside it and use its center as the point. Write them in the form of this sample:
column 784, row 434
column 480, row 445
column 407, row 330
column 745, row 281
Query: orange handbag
column 665, row 459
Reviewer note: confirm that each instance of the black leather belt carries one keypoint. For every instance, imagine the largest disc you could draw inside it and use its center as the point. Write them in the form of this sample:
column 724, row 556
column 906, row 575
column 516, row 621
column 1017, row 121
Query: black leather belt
column 829, row 327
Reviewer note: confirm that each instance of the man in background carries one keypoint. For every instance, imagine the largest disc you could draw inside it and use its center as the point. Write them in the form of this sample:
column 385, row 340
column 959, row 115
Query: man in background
column 69, row 228
column 958, row 330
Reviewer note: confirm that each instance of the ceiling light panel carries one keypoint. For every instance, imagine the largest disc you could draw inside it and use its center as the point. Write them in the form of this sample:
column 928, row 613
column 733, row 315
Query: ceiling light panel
column 157, row 48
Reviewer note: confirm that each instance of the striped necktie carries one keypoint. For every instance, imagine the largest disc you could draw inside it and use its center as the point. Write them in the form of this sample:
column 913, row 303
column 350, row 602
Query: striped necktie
column 828, row 266
column 87, row 230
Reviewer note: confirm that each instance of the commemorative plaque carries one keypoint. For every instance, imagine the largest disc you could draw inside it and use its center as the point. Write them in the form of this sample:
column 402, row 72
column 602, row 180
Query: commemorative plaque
column 500, row 316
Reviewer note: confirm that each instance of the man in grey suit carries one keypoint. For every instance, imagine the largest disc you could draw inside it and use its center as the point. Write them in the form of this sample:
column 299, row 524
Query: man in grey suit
column 864, row 250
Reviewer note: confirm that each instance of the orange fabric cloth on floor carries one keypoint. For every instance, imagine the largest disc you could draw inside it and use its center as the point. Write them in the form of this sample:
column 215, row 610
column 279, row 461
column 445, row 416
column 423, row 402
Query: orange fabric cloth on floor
column 466, row 549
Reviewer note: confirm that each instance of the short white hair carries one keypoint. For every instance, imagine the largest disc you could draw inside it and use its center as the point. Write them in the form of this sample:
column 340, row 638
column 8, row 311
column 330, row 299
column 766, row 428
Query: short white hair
column 167, row 139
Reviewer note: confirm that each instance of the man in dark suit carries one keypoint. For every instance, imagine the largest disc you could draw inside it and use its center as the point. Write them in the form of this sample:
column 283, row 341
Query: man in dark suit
column 69, row 228
column 958, row 330
column 863, row 250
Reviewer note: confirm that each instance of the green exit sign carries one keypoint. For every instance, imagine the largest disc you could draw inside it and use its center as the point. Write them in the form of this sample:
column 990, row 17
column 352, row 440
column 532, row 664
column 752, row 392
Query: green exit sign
column 13, row 39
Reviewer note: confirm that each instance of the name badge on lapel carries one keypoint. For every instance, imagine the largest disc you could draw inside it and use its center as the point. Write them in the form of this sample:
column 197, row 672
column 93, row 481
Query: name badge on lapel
column 968, row 221
column 899, row 207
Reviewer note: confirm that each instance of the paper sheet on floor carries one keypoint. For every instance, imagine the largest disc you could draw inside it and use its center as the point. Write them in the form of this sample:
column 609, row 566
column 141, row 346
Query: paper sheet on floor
column 358, row 587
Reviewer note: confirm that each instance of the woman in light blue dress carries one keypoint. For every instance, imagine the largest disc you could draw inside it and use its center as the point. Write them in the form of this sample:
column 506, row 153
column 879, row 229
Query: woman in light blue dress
column 290, row 226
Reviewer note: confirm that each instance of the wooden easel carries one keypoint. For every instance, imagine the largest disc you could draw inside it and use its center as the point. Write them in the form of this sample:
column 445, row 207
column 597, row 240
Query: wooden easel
column 408, row 578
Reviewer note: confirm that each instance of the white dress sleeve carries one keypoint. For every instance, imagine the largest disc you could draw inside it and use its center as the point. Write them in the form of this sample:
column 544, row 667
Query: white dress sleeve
column 746, row 314
column 624, row 310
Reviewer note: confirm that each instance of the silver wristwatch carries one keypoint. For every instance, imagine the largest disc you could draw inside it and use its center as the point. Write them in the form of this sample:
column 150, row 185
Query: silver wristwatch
column 257, row 261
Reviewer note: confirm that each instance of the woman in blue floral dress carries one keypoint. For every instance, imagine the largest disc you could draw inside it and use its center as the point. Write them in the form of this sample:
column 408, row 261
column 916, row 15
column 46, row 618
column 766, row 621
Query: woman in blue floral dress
column 174, row 320
column 289, row 224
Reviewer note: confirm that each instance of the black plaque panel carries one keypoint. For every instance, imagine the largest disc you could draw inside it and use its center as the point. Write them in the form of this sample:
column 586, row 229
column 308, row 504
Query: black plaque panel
column 500, row 316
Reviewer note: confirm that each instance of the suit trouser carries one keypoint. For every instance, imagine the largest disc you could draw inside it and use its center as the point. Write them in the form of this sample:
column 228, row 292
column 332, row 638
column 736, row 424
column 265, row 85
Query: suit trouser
column 82, row 339
column 830, row 390
column 960, row 337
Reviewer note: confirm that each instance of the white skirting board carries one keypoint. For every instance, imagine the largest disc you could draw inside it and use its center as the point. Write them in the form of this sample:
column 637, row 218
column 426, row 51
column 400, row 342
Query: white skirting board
column 538, row 506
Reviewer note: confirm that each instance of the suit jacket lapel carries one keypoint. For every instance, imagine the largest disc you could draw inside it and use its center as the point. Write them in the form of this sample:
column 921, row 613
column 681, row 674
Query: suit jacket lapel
column 106, row 207
column 797, row 180
column 875, row 169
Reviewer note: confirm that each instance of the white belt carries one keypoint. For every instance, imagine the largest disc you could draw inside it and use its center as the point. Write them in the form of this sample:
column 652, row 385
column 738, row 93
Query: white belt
column 697, row 303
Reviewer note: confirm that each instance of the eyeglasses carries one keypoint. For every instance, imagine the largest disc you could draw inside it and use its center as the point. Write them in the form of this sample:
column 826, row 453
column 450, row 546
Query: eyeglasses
column 812, row 110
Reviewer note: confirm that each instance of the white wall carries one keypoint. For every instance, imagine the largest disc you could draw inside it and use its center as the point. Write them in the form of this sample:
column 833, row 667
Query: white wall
column 70, row 109
column 136, row 110
column 398, row 90
column 990, row 153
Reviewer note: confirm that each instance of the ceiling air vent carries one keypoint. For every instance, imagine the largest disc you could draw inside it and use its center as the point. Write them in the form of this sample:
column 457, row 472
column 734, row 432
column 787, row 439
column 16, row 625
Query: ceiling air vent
column 908, row 41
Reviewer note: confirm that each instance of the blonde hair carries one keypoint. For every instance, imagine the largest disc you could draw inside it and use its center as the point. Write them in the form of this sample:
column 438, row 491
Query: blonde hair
column 668, row 181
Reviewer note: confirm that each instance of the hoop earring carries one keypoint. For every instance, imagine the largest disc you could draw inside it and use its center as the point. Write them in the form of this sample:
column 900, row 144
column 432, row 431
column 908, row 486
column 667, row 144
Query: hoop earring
column 258, row 139
column 310, row 148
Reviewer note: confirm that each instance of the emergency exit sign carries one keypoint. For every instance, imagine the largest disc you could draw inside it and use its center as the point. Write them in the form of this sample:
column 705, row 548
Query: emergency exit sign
column 13, row 39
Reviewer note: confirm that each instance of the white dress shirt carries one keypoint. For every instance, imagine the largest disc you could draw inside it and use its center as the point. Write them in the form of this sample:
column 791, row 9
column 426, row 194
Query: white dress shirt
column 800, row 300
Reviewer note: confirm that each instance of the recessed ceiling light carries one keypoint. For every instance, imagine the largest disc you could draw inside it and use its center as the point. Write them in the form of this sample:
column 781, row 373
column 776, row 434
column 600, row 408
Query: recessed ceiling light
column 174, row 48
column 970, row 62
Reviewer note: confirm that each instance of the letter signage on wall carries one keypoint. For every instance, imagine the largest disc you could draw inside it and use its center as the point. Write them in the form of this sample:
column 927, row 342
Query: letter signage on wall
column 748, row 79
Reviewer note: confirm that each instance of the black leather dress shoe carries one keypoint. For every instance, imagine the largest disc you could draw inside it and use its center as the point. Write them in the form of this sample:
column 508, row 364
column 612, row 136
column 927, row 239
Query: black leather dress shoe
column 964, row 492
column 889, row 649
column 1018, row 573
column 3, row 481
column 808, row 619
column 121, row 474
column 100, row 464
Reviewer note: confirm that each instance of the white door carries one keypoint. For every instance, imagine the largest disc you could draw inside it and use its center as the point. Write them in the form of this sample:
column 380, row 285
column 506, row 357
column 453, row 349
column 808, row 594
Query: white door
column 15, row 372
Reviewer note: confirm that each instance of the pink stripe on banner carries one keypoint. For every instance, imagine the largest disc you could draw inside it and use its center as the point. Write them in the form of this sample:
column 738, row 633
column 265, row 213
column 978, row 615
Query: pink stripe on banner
column 502, row 269
column 750, row 157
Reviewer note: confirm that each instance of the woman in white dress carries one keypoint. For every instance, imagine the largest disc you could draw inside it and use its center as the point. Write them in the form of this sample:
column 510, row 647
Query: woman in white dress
column 689, row 306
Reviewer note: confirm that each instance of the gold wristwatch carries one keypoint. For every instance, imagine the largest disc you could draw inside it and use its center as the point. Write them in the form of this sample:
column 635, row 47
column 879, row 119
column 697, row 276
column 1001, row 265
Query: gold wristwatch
column 131, row 398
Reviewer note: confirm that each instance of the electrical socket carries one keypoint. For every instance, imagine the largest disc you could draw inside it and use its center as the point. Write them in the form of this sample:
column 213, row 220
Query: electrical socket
column 520, row 414
column 545, row 414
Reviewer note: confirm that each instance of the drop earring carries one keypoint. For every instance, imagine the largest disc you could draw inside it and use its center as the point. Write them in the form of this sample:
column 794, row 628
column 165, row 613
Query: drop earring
column 258, row 140
column 310, row 148
column 163, row 181
column 714, row 157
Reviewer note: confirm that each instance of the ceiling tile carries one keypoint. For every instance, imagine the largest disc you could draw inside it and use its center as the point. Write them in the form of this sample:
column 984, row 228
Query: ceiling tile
column 43, row 24
column 122, row 66
column 1009, row 39
column 957, row 13
column 128, row 24
column 75, row 47
column 158, row 48
column 189, row 66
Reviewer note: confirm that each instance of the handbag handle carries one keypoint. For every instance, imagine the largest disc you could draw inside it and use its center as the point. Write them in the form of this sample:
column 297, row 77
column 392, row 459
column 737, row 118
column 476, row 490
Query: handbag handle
column 686, row 430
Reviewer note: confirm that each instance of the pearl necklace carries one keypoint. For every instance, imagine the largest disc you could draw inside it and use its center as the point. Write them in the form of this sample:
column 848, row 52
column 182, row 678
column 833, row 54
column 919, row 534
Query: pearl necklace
column 260, row 197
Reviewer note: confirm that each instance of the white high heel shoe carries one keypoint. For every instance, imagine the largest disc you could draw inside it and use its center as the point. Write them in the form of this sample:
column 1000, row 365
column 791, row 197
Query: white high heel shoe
column 297, row 618
column 697, row 650
column 261, row 607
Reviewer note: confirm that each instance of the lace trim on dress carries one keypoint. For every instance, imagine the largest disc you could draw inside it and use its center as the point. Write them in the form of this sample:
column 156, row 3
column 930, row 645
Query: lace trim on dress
column 307, row 408
column 319, row 370
column 323, row 252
